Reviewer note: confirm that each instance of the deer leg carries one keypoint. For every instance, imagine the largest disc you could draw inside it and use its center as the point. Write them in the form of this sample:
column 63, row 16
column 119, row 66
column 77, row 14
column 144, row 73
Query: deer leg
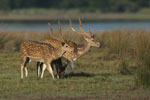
column 22, row 66
column 72, row 66
column 52, row 65
column 27, row 60
column 25, row 66
column 26, row 72
column 38, row 68
column 57, row 70
column 67, row 67
column 43, row 69
column 49, row 68
column 59, row 65
column 21, row 71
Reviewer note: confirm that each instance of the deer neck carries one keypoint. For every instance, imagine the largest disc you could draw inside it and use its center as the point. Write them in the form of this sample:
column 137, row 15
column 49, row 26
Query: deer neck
column 58, row 53
column 84, row 49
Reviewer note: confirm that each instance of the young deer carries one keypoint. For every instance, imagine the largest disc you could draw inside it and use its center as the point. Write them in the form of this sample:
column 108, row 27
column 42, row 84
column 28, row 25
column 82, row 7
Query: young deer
column 41, row 52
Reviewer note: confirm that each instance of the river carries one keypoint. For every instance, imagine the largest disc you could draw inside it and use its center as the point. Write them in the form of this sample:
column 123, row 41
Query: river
column 94, row 25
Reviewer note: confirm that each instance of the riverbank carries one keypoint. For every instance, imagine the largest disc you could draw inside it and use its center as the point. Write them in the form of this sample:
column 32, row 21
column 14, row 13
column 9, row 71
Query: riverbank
column 48, row 15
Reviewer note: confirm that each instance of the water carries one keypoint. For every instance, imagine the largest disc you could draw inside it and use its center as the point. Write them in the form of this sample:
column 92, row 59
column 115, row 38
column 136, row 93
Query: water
column 94, row 25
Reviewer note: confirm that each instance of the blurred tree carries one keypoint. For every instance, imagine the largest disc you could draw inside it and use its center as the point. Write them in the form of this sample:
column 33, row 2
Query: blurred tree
column 73, row 3
column 15, row 4
column 142, row 3
column 28, row 3
column 44, row 4
column 4, row 4
column 83, row 5
column 123, row 6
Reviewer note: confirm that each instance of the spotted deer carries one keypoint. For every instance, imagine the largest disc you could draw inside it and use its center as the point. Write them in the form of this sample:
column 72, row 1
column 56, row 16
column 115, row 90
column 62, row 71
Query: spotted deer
column 79, row 49
column 55, row 42
column 41, row 52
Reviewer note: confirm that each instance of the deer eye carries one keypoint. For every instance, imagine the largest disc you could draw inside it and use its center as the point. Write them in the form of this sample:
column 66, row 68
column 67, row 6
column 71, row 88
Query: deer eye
column 93, row 40
column 66, row 46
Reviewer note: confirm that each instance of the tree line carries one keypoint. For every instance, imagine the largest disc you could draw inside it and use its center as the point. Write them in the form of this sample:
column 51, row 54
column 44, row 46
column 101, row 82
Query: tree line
column 83, row 5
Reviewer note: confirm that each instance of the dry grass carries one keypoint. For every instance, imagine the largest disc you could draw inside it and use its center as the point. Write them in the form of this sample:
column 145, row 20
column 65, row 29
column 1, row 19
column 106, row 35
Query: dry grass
column 12, row 40
column 121, row 44
column 133, row 44
column 143, row 58
column 97, row 74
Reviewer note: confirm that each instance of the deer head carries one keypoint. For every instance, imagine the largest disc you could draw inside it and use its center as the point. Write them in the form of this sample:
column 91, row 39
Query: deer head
column 64, row 45
column 89, row 37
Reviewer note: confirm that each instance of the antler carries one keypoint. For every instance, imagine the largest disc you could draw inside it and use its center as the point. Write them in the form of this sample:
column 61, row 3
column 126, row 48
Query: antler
column 60, row 31
column 51, row 32
column 89, row 30
column 73, row 29
column 81, row 26
column 82, row 31
column 94, row 33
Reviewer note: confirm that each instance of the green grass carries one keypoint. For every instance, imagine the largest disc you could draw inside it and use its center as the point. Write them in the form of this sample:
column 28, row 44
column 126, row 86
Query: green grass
column 97, row 74
column 39, row 14
column 94, row 78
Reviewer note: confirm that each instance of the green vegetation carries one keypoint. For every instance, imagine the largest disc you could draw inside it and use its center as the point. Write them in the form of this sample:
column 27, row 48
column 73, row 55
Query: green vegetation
column 84, row 5
column 39, row 10
column 119, row 70
column 42, row 14
column 143, row 55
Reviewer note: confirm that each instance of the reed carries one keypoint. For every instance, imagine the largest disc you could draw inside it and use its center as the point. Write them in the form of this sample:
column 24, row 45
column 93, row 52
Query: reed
column 119, row 42
column 143, row 58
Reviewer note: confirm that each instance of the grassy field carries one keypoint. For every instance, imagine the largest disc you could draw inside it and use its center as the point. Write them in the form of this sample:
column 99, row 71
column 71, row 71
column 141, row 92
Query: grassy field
column 97, row 74
column 33, row 14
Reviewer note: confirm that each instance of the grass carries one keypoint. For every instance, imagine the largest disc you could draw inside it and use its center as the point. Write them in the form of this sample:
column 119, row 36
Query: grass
column 89, row 80
column 97, row 74
column 39, row 14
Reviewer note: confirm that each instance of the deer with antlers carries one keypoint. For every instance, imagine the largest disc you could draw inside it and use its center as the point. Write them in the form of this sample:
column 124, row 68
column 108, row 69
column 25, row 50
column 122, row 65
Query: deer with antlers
column 79, row 50
column 41, row 52
column 56, row 42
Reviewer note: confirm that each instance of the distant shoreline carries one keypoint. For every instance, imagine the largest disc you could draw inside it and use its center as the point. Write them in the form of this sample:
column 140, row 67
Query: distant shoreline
column 84, row 16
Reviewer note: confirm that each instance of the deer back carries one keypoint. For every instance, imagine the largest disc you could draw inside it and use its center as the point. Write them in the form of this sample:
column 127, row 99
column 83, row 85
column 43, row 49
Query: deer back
column 36, row 50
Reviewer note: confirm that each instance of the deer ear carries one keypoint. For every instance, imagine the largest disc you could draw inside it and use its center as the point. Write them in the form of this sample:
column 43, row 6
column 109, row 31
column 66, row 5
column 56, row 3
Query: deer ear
column 93, row 35
column 63, row 43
